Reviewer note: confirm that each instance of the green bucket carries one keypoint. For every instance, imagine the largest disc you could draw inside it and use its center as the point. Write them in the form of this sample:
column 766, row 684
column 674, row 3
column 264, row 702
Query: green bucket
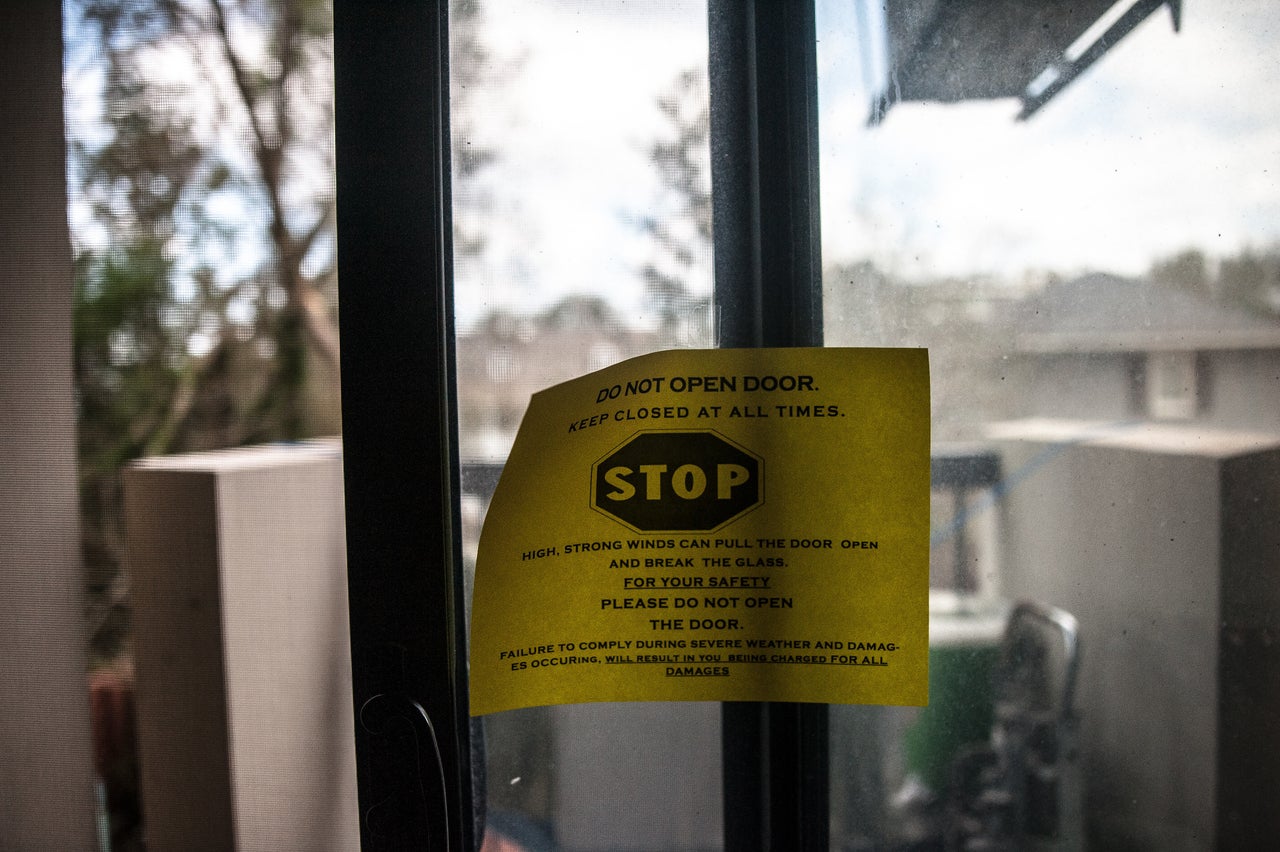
column 964, row 647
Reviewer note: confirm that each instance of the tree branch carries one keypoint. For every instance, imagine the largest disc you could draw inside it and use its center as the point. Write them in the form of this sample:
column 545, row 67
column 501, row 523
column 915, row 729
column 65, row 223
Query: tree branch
column 290, row 251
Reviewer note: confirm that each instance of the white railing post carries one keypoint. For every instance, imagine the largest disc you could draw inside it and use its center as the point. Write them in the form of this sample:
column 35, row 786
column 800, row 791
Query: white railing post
column 238, row 569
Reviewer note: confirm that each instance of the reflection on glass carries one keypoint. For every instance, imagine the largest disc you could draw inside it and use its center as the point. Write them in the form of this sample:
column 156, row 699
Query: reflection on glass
column 1075, row 207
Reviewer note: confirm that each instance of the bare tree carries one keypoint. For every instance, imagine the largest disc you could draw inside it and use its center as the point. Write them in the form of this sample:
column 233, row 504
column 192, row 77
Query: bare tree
column 682, row 236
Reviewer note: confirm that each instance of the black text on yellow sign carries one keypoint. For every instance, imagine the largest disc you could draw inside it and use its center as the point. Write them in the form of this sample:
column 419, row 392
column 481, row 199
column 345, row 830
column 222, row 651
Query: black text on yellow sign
column 736, row 525
column 677, row 481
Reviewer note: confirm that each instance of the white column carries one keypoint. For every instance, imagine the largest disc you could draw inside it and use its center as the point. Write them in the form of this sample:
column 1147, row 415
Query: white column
column 1161, row 539
column 241, row 641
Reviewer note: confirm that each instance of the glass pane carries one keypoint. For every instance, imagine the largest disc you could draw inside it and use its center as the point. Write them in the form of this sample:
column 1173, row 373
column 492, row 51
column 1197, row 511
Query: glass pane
column 582, row 237
column 200, row 201
column 1074, row 206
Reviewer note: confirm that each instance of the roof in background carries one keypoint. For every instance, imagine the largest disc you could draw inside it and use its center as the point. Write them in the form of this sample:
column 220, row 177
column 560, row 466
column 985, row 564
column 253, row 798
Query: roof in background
column 1108, row 313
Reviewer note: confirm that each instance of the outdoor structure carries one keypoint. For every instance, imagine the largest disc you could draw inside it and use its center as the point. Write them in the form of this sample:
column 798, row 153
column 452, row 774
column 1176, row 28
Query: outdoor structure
column 245, row 715
column 1147, row 466
column 1102, row 347
column 498, row 365
column 1161, row 539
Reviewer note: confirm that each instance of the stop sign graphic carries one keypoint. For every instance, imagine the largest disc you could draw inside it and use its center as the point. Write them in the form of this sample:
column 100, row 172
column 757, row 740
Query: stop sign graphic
column 691, row 481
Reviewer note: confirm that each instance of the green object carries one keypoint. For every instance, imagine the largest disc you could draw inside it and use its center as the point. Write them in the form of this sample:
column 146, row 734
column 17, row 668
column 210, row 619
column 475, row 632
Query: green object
column 963, row 651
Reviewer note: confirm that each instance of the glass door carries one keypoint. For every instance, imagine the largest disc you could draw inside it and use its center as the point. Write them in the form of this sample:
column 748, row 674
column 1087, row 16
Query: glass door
column 1062, row 204
column 582, row 237
column 1073, row 206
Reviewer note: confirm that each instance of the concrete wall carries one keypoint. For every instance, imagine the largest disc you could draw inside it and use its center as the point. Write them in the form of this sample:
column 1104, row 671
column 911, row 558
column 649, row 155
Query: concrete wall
column 46, row 775
column 1094, row 386
column 1238, row 389
column 1242, row 389
column 1164, row 542
column 245, row 722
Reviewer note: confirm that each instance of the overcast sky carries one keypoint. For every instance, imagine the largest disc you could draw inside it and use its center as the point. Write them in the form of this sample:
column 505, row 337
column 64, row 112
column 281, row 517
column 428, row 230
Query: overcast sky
column 572, row 126
column 1170, row 141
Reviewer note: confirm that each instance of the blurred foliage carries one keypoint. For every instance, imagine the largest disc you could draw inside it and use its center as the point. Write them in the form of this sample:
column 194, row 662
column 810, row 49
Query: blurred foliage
column 681, row 233
column 473, row 67
column 1249, row 280
column 965, row 323
column 202, row 203
column 201, row 189
column 201, row 181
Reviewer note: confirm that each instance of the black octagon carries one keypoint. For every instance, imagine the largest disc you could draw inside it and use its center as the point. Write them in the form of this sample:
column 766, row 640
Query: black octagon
column 693, row 481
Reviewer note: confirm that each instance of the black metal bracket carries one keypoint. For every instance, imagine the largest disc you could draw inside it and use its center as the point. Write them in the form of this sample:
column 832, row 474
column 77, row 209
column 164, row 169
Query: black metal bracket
column 1067, row 70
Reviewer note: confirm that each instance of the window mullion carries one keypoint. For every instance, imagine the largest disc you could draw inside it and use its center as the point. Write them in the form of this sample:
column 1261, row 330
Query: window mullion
column 768, row 291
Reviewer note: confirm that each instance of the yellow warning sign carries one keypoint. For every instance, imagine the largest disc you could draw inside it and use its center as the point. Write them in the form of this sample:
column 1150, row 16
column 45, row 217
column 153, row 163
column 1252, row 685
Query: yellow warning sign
column 713, row 525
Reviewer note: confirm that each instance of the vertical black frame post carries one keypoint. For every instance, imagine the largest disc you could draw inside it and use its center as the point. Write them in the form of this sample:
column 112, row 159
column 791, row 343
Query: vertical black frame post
column 399, row 423
column 768, row 287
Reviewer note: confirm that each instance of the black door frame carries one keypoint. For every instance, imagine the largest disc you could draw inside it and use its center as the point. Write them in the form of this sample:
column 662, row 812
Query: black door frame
column 768, row 292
